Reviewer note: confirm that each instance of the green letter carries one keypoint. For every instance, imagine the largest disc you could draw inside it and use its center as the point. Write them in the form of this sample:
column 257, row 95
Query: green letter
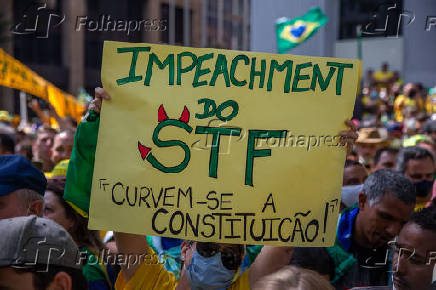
column 251, row 152
column 317, row 75
column 209, row 108
column 214, row 151
column 181, row 69
column 132, row 77
column 275, row 66
column 161, row 65
column 199, row 72
column 340, row 67
column 233, row 69
column 169, row 143
column 299, row 77
column 254, row 73
column 220, row 68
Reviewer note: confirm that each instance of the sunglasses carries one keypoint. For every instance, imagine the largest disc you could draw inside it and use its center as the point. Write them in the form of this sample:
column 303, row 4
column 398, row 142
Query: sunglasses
column 231, row 257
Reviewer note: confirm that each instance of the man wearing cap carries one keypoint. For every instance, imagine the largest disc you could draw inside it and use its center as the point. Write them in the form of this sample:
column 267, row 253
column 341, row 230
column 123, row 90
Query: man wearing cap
column 367, row 144
column 37, row 253
column 22, row 187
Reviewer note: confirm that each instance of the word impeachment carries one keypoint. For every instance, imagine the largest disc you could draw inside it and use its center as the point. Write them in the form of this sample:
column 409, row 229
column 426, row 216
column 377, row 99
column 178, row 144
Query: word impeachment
column 296, row 76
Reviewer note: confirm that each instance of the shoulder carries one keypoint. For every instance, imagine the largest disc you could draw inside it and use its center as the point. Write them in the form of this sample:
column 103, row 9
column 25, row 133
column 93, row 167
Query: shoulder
column 242, row 283
column 150, row 275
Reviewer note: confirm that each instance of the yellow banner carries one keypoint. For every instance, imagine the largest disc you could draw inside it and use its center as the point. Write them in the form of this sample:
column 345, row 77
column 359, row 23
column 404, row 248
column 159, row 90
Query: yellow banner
column 220, row 145
column 16, row 75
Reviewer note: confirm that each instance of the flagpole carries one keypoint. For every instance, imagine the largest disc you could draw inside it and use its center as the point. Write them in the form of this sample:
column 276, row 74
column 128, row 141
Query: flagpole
column 359, row 41
column 23, row 108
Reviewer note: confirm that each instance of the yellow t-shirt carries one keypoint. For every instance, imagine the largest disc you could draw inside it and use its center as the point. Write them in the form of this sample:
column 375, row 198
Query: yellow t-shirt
column 400, row 102
column 155, row 276
column 381, row 76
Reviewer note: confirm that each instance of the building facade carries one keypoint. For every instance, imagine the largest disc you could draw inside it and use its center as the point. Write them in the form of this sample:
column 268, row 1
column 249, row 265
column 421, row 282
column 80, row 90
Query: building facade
column 401, row 32
column 62, row 40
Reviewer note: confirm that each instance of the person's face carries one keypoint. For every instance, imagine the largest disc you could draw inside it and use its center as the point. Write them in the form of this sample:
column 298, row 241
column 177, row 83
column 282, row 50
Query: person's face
column 414, row 271
column 382, row 221
column 419, row 169
column 188, row 250
column 387, row 161
column 11, row 206
column 41, row 147
column 354, row 175
column 13, row 280
column 384, row 67
column 62, row 147
column 366, row 151
column 54, row 210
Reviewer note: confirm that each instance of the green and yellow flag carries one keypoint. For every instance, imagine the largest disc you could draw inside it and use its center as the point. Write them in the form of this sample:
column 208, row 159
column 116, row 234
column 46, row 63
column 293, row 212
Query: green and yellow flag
column 292, row 32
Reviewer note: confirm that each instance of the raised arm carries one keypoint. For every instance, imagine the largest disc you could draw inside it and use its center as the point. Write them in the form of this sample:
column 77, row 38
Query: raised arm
column 269, row 260
column 130, row 244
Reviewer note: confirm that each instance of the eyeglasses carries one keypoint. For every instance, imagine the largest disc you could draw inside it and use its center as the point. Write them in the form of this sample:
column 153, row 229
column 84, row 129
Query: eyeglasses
column 231, row 257
column 408, row 253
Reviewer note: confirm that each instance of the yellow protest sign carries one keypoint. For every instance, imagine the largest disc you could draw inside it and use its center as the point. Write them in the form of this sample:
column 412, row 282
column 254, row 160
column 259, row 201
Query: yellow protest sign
column 219, row 145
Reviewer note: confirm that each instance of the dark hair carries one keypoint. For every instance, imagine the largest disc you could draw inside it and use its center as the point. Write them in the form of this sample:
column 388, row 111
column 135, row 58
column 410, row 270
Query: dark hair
column 80, row 233
column 429, row 127
column 7, row 143
column 45, row 129
column 425, row 219
column 380, row 151
column 43, row 276
column 388, row 181
column 421, row 117
column 413, row 152
column 349, row 163
column 306, row 257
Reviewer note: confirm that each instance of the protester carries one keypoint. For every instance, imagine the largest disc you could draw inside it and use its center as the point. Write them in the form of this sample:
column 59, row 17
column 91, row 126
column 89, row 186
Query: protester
column 293, row 278
column 62, row 146
column 367, row 144
column 404, row 100
column 354, row 173
column 22, row 187
column 384, row 77
column 417, row 164
column 429, row 129
column 42, row 146
column 38, row 254
column 354, row 176
column 99, row 276
column 415, row 252
column 385, row 158
column 363, row 231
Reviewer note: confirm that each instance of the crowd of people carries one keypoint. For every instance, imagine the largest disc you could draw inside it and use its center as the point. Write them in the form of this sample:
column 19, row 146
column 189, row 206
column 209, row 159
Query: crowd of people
column 386, row 232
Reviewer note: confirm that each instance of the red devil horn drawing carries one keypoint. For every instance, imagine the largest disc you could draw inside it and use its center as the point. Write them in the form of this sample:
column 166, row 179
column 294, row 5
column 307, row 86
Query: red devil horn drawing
column 161, row 114
column 185, row 116
column 143, row 150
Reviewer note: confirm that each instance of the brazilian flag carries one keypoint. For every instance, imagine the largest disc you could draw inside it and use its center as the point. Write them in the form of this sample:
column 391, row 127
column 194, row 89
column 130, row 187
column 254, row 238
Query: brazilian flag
column 292, row 32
